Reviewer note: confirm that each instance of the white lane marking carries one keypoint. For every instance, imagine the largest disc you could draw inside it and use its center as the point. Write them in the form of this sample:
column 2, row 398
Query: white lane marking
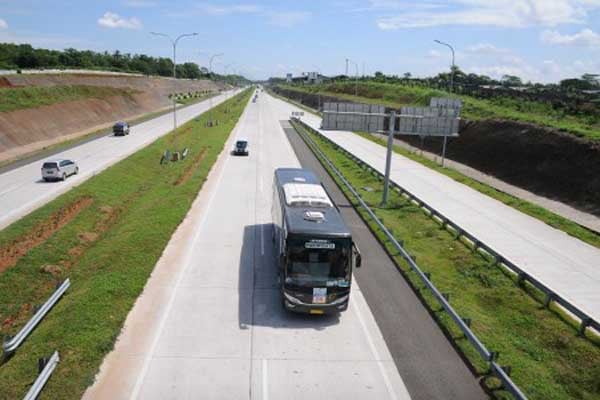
column 265, row 380
column 187, row 262
column 382, row 370
column 10, row 188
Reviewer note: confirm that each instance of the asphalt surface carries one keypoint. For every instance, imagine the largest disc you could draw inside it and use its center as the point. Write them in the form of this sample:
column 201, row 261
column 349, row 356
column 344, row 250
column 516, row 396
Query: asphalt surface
column 22, row 190
column 427, row 362
column 210, row 323
column 561, row 262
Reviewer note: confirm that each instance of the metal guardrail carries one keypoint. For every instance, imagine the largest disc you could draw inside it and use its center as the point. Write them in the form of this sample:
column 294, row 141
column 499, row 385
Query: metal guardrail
column 463, row 324
column 11, row 344
column 47, row 367
column 522, row 276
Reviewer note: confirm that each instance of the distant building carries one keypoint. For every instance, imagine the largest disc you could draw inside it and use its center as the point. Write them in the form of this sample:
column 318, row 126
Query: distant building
column 308, row 78
column 288, row 78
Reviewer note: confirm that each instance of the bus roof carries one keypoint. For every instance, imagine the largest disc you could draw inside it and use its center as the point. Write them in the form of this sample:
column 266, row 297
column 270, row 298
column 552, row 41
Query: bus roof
column 310, row 211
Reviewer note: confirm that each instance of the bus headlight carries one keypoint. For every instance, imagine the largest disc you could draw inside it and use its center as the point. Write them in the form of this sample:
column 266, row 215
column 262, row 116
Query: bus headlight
column 292, row 299
column 339, row 300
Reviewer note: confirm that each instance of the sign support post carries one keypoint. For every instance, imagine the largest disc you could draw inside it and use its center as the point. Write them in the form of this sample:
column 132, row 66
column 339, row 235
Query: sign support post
column 444, row 151
column 388, row 158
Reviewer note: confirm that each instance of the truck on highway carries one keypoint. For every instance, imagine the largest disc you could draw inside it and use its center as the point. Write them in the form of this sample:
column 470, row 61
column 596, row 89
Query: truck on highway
column 314, row 247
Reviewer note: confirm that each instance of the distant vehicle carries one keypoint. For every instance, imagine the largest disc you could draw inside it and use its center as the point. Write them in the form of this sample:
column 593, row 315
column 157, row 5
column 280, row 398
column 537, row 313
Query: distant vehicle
column 314, row 246
column 241, row 148
column 121, row 128
column 55, row 170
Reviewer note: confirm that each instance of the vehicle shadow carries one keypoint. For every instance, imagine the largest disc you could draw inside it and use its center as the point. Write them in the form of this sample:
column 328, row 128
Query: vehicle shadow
column 258, row 285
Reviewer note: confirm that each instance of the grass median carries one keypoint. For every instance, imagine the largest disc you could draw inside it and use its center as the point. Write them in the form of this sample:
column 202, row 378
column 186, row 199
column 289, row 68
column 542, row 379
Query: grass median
column 106, row 235
column 548, row 358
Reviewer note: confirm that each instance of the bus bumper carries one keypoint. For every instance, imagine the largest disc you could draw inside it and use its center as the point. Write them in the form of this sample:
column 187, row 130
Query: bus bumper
column 306, row 308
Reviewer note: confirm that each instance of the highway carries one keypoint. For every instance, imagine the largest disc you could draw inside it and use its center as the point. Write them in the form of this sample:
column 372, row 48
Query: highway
column 22, row 190
column 563, row 263
column 210, row 323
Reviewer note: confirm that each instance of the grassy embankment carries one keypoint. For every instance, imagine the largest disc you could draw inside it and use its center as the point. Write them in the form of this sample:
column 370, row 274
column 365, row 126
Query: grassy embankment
column 548, row 359
column 18, row 98
column 546, row 216
column 505, row 108
column 106, row 235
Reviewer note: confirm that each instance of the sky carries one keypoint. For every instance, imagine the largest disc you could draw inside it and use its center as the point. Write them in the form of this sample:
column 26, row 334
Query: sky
column 537, row 40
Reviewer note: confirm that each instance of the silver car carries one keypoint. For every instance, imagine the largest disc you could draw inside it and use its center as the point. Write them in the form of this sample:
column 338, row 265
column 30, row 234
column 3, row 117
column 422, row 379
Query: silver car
column 59, row 169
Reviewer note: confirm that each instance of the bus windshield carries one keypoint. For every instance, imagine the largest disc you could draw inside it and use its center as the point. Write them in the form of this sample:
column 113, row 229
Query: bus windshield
column 317, row 262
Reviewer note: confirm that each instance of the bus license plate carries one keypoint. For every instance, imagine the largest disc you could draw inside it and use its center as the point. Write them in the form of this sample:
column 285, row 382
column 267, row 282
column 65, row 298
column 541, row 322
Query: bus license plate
column 319, row 295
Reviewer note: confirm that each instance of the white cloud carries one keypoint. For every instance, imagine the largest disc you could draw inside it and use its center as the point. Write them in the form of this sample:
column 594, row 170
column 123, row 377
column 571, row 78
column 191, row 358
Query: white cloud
column 112, row 20
column 585, row 38
column 288, row 19
column 433, row 54
column 485, row 48
column 140, row 3
column 228, row 9
column 502, row 13
column 3, row 24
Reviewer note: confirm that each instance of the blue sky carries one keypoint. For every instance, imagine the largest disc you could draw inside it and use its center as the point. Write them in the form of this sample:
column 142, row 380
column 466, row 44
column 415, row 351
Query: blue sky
column 538, row 40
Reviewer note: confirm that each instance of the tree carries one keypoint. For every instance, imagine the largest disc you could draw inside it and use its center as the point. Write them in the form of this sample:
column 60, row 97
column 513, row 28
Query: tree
column 511, row 80
column 407, row 75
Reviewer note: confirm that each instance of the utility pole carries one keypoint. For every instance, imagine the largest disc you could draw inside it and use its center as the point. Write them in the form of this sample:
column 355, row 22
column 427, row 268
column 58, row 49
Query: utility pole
column 347, row 67
column 355, row 76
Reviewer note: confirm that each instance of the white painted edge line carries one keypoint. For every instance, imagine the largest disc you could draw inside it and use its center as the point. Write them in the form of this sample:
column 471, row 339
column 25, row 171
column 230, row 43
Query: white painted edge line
column 386, row 378
column 265, row 380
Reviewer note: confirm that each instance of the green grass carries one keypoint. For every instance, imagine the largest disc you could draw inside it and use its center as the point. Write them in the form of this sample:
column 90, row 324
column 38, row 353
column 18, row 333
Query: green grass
column 19, row 98
column 111, row 271
column 549, row 360
column 503, row 108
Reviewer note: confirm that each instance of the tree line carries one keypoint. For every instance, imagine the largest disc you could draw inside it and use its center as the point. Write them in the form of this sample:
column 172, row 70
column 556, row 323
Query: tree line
column 24, row 56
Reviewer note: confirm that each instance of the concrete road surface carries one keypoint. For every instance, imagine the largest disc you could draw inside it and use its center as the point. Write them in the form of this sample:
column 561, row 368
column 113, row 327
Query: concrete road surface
column 567, row 265
column 210, row 324
column 22, row 190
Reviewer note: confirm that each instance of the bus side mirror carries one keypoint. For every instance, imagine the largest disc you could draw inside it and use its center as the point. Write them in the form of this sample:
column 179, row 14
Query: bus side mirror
column 357, row 256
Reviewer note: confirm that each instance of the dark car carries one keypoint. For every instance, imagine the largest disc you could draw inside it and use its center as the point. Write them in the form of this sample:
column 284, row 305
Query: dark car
column 241, row 148
column 121, row 128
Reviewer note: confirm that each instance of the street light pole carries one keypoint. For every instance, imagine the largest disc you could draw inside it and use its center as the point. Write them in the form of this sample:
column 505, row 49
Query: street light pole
column 174, row 43
column 355, row 76
column 318, row 92
column 210, row 120
column 452, row 72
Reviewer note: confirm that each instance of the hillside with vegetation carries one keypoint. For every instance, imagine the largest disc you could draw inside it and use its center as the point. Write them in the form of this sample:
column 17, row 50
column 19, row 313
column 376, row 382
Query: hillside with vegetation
column 581, row 117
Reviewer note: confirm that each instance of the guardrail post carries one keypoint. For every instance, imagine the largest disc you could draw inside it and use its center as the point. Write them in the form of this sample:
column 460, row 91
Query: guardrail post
column 583, row 326
column 46, row 367
column 548, row 299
